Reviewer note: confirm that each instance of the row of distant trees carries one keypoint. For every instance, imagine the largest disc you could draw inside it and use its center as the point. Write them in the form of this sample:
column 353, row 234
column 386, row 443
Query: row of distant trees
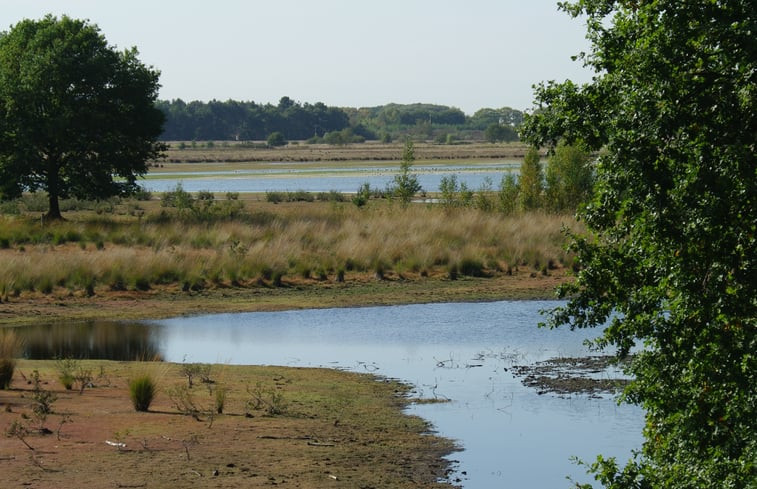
column 248, row 121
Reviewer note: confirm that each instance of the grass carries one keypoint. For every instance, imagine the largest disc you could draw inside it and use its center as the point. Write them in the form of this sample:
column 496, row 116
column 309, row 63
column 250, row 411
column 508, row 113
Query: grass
column 269, row 244
column 10, row 348
column 142, row 390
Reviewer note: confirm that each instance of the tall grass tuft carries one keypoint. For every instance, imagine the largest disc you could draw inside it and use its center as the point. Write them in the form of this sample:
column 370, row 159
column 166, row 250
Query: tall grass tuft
column 142, row 390
column 10, row 348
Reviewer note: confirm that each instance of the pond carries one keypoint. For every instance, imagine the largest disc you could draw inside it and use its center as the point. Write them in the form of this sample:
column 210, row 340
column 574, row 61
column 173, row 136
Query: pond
column 344, row 180
column 511, row 435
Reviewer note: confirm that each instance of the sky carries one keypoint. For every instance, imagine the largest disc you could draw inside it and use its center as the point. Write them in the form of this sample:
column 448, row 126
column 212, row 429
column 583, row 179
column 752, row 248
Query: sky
column 468, row 54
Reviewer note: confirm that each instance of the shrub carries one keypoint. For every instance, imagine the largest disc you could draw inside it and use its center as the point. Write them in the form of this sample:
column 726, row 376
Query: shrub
column 363, row 195
column 194, row 370
column 142, row 391
column 264, row 398
column 276, row 139
column 184, row 402
column 42, row 400
column 275, row 197
column 178, row 198
column 471, row 267
column 66, row 368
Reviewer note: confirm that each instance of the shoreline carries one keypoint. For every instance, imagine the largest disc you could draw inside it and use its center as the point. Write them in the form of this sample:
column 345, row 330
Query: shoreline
column 161, row 303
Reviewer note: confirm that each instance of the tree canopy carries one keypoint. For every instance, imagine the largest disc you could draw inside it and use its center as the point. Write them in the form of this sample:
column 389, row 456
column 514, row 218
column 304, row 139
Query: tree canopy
column 77, row 117
column 670, row 264
column 247, row 121
column 233, row 120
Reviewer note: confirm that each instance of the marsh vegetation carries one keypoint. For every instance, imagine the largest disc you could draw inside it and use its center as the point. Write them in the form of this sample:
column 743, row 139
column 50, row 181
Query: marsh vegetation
column 140, row 245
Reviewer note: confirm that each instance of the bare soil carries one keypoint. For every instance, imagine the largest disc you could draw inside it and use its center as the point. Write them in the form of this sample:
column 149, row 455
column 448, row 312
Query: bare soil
column 337, row 429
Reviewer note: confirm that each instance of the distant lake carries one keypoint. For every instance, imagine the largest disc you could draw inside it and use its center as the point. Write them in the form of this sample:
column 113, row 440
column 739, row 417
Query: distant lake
column 511, row 435
column 344, row 180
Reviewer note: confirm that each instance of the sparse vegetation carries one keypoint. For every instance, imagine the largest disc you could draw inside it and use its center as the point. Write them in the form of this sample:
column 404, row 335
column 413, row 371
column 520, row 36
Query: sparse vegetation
column 267, row 398
column 42, row 400
column 372, row 439
column 66, row 368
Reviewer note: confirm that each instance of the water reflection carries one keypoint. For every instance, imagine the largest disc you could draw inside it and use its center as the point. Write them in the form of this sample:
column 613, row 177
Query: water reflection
column 511, row 435
column 92, row 339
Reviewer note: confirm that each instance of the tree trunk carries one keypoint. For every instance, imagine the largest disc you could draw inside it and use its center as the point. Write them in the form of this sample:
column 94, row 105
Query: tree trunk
column 53, row 211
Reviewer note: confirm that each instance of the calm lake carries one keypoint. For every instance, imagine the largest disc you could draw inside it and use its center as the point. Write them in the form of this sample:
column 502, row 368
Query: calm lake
column 510, row 435
column 344, row 180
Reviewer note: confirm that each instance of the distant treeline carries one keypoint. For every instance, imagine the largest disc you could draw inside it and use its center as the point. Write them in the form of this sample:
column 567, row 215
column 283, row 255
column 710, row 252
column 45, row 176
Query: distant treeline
column 248, row 121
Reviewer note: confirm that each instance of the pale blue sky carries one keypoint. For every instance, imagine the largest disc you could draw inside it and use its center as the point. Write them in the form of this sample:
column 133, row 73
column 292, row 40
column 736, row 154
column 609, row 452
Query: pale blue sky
column 464, row 53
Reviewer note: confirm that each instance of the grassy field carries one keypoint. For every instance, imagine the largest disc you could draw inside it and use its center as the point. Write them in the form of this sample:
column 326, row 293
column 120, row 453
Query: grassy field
column 143, row 247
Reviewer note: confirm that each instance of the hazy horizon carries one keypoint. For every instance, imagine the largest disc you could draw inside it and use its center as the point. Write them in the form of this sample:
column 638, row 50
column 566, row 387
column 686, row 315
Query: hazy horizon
column 485, row 53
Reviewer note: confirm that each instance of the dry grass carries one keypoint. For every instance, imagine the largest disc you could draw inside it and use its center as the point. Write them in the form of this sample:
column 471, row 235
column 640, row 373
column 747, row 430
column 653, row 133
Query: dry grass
column 292, row 240
column 369, row 151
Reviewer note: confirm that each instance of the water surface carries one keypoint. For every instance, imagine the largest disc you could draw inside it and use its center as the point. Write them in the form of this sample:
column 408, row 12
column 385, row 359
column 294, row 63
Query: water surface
column 345, row 180
column 511, row 435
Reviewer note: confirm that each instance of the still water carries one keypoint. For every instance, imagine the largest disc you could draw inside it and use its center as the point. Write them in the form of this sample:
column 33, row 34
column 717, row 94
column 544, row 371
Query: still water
column 344, row 180
column 510, row 435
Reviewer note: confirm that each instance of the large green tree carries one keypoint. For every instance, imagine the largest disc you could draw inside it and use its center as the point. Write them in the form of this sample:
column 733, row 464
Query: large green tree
column 77, row 117
column 670, row 266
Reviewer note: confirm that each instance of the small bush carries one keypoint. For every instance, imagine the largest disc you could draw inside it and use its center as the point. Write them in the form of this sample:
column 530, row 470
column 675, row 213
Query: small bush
column 42, row 400
column 66, row 368
column 276, row 139
column 194, row 370
column 268, row 399
column 471, row 267
column 184, row 402
column 142, row 391
column 275, row 197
